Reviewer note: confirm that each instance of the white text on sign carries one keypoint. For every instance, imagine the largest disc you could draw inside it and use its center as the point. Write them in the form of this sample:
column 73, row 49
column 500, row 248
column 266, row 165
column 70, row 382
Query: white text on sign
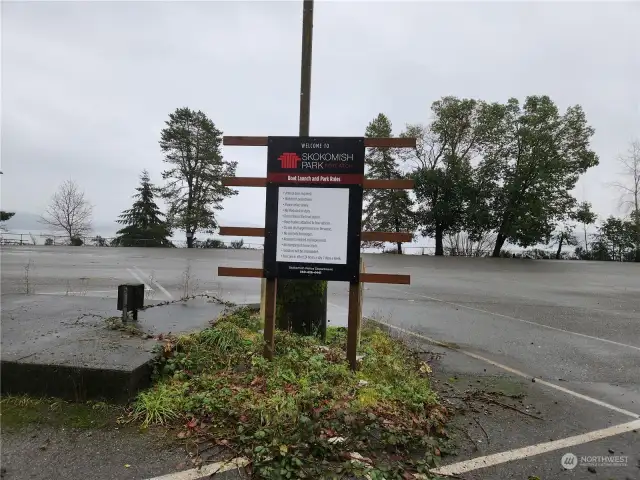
column 315, row 178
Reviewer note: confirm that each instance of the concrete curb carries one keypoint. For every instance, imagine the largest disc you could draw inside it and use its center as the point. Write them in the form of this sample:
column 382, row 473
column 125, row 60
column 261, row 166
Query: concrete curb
column 74, row 383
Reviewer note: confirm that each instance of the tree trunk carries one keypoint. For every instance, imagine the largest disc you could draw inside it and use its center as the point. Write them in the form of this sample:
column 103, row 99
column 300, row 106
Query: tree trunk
column 586, row 245
column 399, row 248
column 189, row 240
column 439, row 245
column 559, row 249
column 637, row 218
column 500, row 239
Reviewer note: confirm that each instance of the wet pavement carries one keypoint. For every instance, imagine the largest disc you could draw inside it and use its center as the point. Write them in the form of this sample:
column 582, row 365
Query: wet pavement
column 66, row 345
column 572, row 325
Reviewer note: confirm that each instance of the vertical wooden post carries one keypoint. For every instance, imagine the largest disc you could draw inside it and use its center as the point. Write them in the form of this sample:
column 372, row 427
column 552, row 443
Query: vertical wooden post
column 362, row 270
column 263, row 286
column 305, row 67
column 310, row 300
column 270, row 317
column 353, row 324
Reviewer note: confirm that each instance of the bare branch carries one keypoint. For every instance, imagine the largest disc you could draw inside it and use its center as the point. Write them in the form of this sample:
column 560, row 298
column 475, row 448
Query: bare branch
column 629, row 187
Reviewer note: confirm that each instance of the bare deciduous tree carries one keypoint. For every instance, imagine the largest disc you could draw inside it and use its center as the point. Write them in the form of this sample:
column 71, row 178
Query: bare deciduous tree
column 69, row 211
column 460, row 244
column 629, row 188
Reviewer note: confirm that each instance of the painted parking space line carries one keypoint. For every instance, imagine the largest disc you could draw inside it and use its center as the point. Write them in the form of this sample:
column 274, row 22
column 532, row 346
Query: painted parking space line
column 137, row 277
column 506, row 368
column 514, row 318
column 162, row 289
column 501, row 366
column 532, row 450
column 83, row 293
column 205, row 471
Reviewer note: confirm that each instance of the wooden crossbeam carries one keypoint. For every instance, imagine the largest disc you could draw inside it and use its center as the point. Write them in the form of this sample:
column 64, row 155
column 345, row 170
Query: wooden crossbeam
column 231, row 141
column 368, row 184
column 242, row 231
column 243, row 272
column 393, row 237
column 389, row 278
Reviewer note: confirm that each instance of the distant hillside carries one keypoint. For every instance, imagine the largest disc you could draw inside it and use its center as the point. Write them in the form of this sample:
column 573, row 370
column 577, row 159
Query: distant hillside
column 24, row 221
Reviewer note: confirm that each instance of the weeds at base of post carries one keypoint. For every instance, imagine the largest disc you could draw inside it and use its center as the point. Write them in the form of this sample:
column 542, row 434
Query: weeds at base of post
column 115, row 323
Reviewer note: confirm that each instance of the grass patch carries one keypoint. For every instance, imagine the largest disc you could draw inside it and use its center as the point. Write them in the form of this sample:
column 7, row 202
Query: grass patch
column 305, row 413
column 20, row 411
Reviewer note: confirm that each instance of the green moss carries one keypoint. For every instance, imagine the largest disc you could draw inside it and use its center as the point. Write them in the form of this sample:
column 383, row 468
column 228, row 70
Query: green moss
column 20, row 411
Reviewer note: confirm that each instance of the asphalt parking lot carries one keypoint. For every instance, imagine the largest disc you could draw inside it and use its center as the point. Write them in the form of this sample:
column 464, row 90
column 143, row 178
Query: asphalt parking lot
column 573, row 326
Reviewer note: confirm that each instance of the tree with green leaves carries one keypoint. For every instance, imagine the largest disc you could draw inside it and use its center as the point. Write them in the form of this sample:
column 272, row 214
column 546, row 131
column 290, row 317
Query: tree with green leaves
column 385, row 210
column 614, row 240
column 443, row 157
column 586, row 217
column 144, row 224
column 532, row 157
column 4, row 216
column 194, row 190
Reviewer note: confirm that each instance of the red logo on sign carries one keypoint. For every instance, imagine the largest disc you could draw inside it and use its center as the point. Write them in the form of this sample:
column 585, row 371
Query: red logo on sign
column 289, row 160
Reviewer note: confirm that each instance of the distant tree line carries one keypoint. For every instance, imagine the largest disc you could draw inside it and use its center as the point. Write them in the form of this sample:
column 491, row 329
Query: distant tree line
column 486, row 175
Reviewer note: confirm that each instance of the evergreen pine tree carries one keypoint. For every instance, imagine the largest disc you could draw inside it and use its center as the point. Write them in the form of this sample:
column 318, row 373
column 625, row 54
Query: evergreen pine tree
column 385, row 210
column 194, row 190
column 144, row 225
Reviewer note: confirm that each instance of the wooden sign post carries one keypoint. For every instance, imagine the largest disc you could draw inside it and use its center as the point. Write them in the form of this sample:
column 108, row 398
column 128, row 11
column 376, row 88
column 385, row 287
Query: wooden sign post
column 313, row 219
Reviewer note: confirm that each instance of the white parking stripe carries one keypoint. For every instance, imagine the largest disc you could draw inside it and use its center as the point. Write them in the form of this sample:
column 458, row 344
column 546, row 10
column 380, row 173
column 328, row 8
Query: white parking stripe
column 502, row 367
column 206, row 471
column 513, row 370
column 526, row 452
column 514, row 318
column 135, row 275
column 80, row 293
column 162, row 289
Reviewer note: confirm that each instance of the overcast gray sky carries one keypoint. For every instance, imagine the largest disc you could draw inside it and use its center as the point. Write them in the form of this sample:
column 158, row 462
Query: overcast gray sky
column 87, row 86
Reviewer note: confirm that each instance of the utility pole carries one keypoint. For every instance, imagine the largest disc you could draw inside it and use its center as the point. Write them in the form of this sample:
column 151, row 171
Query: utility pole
column 305, row 70
column 303, row 303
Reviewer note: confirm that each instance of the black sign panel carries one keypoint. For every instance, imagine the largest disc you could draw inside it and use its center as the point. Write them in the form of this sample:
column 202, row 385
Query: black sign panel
column 314, row 208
